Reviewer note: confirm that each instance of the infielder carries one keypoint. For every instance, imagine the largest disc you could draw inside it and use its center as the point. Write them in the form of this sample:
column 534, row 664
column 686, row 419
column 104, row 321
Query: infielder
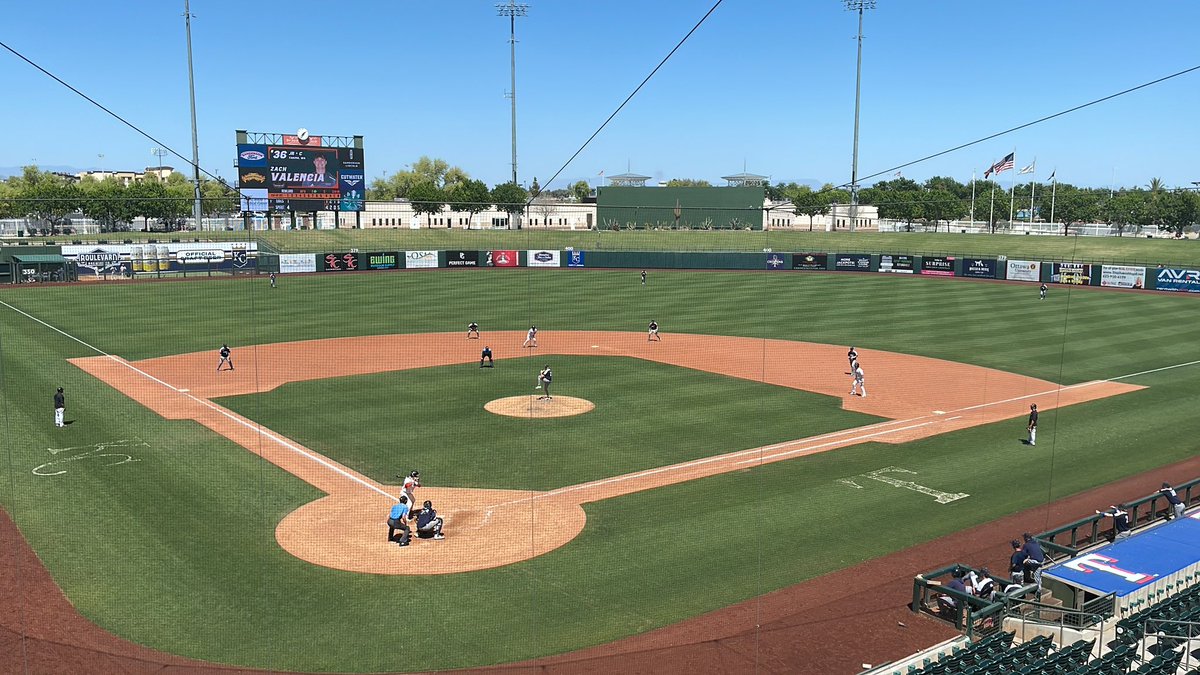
column 544, row 379
column 859, row 381
column 852, row 355
column 652, row 334
column 60, row 407
column 1032, row 426
column 531, row 337
column 225, row 358
column 487, row 354
column 1042, row 292
column 473, row 329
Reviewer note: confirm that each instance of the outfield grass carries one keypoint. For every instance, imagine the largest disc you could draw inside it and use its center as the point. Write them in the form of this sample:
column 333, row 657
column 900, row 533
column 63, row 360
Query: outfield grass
column 177, row 551
column 647, row 415
column 1131, row 249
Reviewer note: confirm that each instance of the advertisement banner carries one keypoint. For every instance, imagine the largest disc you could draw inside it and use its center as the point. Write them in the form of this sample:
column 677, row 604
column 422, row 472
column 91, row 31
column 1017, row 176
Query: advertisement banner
column 852, row 262
column 293, row 263
column 1122, row 276
column 938, row 265
column 420, row 259
column 1023, row 270
column 543, row 259
column 900, row 264
column 386, row 260
column 810, row 261
column 187, row 257
column 775, row 261
column 1174, row 279
column 1076, row 274
column 340, row 262
column 462, row 258
column 502, row 259
column 979, row 268
column 575, row 259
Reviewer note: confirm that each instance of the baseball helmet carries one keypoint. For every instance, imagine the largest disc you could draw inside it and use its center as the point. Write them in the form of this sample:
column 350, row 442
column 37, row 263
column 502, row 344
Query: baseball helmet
column 415, row 474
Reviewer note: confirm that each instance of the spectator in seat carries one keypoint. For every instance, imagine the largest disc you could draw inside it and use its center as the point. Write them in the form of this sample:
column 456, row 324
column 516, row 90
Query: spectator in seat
column 981, row 584
column 947, row 604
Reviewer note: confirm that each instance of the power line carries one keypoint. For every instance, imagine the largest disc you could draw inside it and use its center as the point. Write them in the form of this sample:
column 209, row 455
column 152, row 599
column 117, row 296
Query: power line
column 1029, row 124
column 101, row 106
column 632, row 94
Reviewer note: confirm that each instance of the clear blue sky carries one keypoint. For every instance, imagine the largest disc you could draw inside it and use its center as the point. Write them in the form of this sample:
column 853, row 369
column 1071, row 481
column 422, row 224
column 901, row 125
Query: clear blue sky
column 764, row 82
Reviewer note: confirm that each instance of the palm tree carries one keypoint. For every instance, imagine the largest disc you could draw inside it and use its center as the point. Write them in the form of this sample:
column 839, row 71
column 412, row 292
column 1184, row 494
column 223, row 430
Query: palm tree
column 1156, row 186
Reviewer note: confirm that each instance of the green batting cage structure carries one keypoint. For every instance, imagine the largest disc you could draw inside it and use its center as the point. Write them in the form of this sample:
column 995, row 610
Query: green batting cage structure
column 688, row 208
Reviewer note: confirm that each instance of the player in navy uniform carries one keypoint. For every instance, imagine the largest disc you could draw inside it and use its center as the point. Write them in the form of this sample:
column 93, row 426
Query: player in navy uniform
column 472, row 329
column 60, row 407
column 1032, row 425
column 643, row 277
column 544, row 379
column 487, row 354
column 652, row 332
column 852, row 355
column 1042, row 292
column 272, row 280
column 225, row 358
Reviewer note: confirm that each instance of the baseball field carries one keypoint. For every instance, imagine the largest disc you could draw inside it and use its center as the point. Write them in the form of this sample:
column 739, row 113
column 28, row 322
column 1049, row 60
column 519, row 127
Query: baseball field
column 238, row 517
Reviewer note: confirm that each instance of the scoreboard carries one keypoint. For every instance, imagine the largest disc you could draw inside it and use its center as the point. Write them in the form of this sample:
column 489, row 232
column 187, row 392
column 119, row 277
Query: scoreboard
column 300, row 176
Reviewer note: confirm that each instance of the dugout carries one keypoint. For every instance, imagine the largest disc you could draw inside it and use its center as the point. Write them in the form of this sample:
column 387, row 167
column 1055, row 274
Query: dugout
column 621, row 207
column 35, row 263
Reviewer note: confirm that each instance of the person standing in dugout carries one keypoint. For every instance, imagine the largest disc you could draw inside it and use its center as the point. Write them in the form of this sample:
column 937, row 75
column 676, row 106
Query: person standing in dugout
column 60, row 407
column 1032, row 425
column 472, row 331
column 652, row 333
column 225, row 358
column 544, row 379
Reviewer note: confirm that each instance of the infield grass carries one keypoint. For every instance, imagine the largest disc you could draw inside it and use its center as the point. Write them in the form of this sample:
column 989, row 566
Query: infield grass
column 177, row 550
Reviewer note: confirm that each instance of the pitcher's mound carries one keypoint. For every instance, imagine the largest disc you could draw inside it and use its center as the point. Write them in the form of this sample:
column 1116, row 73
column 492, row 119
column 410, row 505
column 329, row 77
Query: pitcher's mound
column 531, row 406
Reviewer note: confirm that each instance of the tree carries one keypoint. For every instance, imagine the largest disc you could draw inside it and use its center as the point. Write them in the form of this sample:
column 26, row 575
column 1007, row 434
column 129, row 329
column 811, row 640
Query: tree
column 218, row 198
column 545, row 208
column 940, row 204
column 106, row 202
column 1073, row 205
column 580, row 190
column 471, row 196
column 688, row 182
column 437, row 172
column 1125, row 210
column 428, row 199
column 510, row 198
column 1181, row 210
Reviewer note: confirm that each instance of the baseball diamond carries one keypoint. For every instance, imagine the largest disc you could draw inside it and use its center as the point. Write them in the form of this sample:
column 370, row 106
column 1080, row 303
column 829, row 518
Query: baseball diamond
column 729, row 446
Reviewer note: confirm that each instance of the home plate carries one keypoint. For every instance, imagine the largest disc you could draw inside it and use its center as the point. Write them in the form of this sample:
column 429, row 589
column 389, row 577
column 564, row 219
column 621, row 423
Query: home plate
column 939, row 412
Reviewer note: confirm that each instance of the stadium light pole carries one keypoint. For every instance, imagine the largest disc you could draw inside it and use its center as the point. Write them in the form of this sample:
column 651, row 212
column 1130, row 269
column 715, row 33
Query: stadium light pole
column 196, row 210
column 859, row 6
column 512, row 10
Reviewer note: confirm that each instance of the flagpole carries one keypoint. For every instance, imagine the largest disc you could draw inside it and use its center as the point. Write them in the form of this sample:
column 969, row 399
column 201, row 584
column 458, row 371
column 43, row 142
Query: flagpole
column 1053, row 192
column 992, row 210
column 972, row 199
column 1012, row 184
column 1032, row 190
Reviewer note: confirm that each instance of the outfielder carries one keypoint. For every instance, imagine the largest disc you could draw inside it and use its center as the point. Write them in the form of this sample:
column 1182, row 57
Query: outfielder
column 544, row 379
column 531, row 337
column 472, row 330
column 859, row 381
column 225, row 358
column 1042, row 292
column 652, row 334
column 60, row 407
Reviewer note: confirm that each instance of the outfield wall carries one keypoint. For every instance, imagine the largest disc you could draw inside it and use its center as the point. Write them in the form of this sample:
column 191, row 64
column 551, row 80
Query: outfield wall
column 102, row 260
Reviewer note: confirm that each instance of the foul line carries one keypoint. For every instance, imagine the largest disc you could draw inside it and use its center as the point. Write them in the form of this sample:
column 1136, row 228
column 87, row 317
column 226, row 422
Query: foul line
column 208, row 404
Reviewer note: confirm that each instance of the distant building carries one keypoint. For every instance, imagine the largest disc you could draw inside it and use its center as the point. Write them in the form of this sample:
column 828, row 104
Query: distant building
column 127, row 177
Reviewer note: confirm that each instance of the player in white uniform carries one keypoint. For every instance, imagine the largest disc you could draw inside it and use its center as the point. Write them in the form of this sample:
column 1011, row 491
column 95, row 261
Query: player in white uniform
column 472, row 330
column 531, row 337
column 859, row 381
column 652, row 332
column 411, row 482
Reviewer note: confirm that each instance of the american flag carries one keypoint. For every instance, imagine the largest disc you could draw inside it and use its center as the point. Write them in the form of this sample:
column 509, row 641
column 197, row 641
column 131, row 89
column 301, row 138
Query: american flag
column 1001, row 166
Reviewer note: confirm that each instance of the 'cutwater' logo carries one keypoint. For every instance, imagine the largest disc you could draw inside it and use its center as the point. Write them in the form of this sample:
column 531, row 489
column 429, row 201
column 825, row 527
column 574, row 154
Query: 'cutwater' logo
column 252, row 155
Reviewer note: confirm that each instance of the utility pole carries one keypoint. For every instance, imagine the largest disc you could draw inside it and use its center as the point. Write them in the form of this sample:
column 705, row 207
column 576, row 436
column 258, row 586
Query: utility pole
column 197, row 212
column 512, row 10
column 858, row 6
